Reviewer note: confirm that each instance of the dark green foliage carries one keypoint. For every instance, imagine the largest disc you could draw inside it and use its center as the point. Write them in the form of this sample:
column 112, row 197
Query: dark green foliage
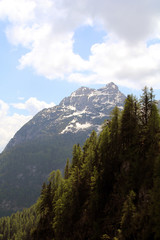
column 19, row 226
column 111, row 188
column 155, row 205
column 66, row 170
column 129, row 122
column 77, row 156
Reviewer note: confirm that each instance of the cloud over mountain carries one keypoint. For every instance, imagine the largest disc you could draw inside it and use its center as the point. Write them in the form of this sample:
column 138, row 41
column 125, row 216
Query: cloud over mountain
column 33, row 105
column 10, row 123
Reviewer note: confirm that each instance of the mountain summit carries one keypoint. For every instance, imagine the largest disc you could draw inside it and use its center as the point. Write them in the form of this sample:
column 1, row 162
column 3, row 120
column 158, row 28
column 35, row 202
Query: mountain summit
column 45, row 142
column 85, row 109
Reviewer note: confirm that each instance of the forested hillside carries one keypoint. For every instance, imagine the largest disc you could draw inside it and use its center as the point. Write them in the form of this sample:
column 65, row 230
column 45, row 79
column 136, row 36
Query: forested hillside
column 110, row 189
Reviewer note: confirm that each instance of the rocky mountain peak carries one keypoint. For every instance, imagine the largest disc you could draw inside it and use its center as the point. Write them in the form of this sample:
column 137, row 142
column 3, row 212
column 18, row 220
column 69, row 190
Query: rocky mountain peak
column 84, row 96
column 81, row 91
column 83, row 111
column 111, row 85
column 77, row 99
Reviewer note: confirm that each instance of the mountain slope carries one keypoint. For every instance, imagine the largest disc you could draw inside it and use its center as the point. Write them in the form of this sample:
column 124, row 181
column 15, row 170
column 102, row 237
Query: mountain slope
column 46, row 141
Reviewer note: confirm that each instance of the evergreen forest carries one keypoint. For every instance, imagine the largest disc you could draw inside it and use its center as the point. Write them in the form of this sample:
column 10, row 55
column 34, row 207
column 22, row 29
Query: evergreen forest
column 110, row 189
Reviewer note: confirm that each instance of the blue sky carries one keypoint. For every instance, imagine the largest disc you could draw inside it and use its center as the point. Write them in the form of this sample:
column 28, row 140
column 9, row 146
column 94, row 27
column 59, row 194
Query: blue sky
column 50, row 48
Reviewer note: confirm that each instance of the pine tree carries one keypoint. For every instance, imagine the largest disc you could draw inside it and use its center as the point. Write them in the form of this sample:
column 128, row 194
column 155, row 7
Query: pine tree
column 77, row 155
column 150, row 136
column 115, row 126
column 66, row 170
column 155, row 207
column 128, row 225
column 129, row 122
column 146, row 101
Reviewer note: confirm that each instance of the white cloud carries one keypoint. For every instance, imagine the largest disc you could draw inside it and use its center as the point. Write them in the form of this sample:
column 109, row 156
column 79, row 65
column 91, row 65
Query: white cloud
column 17, row 11
column 53, row 59
column 47, row 29
column 10, row 124
column 33, row 105
column 134, row 66
column 4, row 107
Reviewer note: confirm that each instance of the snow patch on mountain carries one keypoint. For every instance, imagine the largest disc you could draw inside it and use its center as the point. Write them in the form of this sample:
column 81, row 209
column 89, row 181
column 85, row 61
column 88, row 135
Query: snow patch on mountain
column 83, row 126
column 76, row 127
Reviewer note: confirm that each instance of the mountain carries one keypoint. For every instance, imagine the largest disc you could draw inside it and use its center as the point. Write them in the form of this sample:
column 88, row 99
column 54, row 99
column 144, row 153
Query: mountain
column 85, row 110
column 46, row 141
column 110, row 190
